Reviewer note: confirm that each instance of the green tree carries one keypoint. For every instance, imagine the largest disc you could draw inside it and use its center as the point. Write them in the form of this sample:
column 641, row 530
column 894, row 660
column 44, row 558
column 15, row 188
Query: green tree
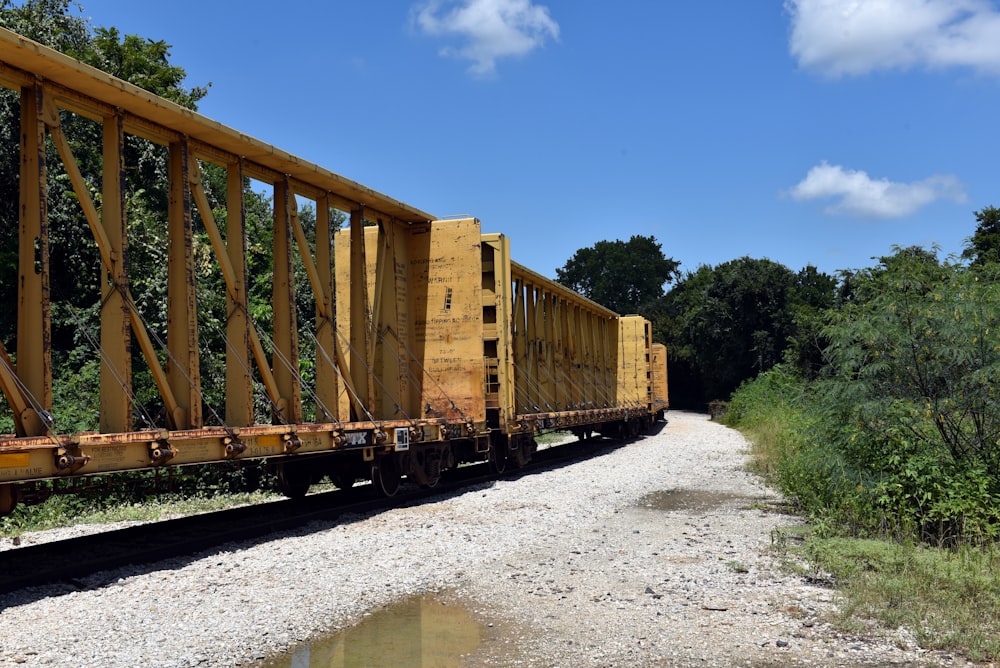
column 812, row 294
column 726, row 324
column 48, row 22
column 623, row 276
column 142, row 62
column 984, row 245
column 911, row 400
column 72, row 251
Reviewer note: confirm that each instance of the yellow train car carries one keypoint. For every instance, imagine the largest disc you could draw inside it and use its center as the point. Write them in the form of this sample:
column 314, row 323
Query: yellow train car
column 429, row 346
column 658, row 375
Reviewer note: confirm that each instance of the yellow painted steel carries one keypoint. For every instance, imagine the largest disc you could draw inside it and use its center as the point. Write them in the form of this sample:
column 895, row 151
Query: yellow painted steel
column 285, row 355
column 422, row 290
column 34, row 359
column 52, row 85
column 553, row 360
column 86, row 88
column 183, row 372
column 327, row 384
column 498, row 349
column 658, row 371
column 634, row 381
column 425, row 330
column 116, row 333
column 239, row 380
column 355, row 308
column 15, row 460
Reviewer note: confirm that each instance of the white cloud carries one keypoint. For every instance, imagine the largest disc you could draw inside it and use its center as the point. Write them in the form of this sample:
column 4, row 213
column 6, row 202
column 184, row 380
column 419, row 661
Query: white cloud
column 857, row 194
column 488, row 29
column 838, row 37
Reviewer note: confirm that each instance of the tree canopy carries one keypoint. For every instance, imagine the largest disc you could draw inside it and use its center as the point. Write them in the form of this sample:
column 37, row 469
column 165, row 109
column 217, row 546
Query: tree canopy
column 143, row 62
column 621, row 275
column 725, row 324
column 72, row 252
column 984, row 245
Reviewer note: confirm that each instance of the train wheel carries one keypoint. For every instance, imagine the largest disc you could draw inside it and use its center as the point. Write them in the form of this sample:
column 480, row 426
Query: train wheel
column 497, row 460
column 521, row 451
column 343, row 480
column 8, row 499
column 386, row 477
column 293, row 479
column 427, row 467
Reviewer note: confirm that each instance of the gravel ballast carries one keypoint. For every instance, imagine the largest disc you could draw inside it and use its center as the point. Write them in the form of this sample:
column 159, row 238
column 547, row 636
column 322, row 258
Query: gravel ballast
column 658, row 552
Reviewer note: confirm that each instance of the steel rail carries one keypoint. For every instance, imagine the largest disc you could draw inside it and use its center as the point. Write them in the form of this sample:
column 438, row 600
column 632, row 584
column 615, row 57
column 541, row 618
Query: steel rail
column 88, row 562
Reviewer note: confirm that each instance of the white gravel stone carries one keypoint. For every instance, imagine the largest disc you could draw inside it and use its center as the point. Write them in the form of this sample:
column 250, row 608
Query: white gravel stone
column 566, row 566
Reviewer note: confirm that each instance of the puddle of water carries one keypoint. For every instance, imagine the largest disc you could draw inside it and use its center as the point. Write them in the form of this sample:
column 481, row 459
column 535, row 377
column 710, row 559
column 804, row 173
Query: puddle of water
column 692, row 500
column 418, row 633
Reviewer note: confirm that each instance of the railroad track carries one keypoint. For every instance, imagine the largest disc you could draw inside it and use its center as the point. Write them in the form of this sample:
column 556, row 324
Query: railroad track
column 79, row 562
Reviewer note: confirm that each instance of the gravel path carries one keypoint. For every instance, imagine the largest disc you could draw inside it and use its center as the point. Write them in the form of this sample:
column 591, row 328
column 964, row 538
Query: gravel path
column 570, row 567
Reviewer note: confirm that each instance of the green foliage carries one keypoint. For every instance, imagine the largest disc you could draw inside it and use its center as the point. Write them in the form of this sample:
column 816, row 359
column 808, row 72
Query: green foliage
column 48, row 22
column 72, row 253
column 623, row 276
column 899, row 437
column 813, row 293
column 142, row 62
column 142, row 496
column 947, row 599
column 984, row 245
column 731, row 322
column 946, row 596
column 774, row 411
column 912, row 394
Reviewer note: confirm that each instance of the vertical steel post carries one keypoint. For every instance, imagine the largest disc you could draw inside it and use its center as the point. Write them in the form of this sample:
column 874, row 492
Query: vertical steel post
column 34, row 355
column 531, row 385
column 285, row 357
column 239, row 382
column 378, row 358
column 518, row 326
column 560, row 383
column 504, row 286
column 575, row 354
column 182, row 329
column 360, row 314
column 587, row 356
column 609, row 358
column 550, row 350
column 327, row 386
column 116, row 331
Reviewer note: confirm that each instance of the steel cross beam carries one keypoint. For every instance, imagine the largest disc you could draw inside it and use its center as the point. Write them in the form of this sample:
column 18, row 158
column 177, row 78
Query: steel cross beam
column 52, row 85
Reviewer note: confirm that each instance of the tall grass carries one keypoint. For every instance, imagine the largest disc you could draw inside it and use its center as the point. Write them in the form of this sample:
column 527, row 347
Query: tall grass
column 138, row 495
column 64, row 510
column 947, row 598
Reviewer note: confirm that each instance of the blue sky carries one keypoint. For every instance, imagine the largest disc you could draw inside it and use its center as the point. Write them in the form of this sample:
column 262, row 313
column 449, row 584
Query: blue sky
column 815, row 132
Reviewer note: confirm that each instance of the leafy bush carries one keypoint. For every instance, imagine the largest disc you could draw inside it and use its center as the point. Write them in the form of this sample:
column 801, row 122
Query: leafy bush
column 900, row 436
column 945, row 597
column 910, row 401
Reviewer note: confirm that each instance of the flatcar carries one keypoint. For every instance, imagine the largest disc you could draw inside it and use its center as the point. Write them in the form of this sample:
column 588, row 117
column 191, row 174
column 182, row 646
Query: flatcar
column 430, row 347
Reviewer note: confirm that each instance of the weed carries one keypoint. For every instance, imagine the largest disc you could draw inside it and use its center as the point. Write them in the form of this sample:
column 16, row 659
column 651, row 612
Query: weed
column 738, row 567
column 947, row 598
